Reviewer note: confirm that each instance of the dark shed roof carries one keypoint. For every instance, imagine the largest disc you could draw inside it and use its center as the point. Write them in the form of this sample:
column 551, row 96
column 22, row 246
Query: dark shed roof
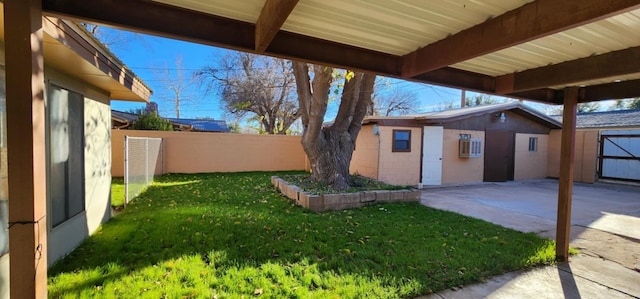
column 606, row 119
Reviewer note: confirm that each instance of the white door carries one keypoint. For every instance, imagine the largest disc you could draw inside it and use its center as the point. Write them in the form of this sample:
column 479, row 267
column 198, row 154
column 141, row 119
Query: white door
column 432, row 156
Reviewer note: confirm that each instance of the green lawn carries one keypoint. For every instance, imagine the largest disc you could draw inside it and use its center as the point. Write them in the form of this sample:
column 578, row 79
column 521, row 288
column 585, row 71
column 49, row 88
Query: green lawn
column 117, row 192
column 232, row 236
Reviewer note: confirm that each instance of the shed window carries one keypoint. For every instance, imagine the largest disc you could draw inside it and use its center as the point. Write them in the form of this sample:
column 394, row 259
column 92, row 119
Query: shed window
column 533, row 144
column 401, row 140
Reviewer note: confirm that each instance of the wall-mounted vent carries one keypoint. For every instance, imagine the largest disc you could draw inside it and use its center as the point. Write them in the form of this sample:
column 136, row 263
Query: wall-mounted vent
column 470, row 148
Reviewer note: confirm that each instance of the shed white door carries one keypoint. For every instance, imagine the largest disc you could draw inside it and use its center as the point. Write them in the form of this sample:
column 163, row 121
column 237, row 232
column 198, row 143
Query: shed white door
column 432, row 155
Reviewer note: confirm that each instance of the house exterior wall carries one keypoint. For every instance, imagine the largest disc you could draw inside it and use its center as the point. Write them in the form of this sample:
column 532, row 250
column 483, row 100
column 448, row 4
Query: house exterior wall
column 530, row 164
column 456, row 170
column 97, row 165
column 585, row 159
column 399, row 168
column 367, row 153
column 196, row 152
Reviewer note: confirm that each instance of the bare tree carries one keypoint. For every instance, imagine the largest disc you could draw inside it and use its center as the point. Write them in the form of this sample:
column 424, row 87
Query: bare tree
column 395, row 102
column 330, row 148
column 260, row 86
column 588, row 107
column 444, row 106
column 112, row 38
column 581, row 108
column 481, row 99
column 175, row 82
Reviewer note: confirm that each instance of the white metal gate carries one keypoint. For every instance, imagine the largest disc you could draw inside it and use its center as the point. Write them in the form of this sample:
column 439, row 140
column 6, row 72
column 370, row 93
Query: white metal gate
column 142, row 161
column 619, row 156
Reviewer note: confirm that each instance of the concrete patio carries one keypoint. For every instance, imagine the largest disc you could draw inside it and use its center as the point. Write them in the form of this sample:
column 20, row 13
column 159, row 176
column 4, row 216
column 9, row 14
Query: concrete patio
column 605, row 227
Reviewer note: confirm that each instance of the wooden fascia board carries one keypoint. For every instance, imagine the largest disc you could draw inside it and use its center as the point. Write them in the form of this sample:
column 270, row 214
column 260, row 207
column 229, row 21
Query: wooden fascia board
column 611, row 64
column 528, row 22
column 304, row 48
column 457, row 78
column 610, row 91
column 274, row 13
column 76, row 42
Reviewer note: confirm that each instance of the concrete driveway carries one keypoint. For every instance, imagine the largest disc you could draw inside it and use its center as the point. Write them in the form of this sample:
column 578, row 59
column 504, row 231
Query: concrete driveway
column 605, row 227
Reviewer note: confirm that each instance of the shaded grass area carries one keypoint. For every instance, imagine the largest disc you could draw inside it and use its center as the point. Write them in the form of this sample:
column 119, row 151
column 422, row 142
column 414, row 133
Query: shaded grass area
column 117, row 192
column 360, row 183
column 231, row 235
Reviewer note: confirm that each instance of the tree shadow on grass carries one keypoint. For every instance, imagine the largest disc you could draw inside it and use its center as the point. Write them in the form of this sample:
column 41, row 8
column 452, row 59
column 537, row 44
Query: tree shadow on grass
column 237, row 221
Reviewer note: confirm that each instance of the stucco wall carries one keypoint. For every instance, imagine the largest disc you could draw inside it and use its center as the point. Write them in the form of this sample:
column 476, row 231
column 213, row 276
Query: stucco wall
column 586, row 155
column 365, row 157
column 399, row 168
column 530, row 165
column 456, row 170
column 97, row 126
column 196, row 152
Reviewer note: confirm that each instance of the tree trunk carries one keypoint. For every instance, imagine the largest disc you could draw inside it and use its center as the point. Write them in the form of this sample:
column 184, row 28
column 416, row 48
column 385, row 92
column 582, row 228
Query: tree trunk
column 330, row 148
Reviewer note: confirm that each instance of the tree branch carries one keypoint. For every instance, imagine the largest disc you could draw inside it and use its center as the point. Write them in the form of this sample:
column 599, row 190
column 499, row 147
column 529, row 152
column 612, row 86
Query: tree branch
column 350, row 94
column 363, row 103
column 303, row 88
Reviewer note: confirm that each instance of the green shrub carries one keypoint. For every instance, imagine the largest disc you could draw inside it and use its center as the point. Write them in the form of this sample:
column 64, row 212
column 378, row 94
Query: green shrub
column 151, row 121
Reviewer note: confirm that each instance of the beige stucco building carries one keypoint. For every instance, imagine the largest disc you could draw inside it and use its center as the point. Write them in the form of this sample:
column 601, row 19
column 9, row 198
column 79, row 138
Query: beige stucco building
column 499, row 142
column 607, row 147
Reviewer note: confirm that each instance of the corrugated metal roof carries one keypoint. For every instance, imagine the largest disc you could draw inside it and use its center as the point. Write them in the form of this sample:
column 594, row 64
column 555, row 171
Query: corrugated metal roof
column 619, row 32
column 243, row 10
column 394, row 27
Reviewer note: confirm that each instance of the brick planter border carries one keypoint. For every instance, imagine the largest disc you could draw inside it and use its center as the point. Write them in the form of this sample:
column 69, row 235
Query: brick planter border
column 342, row 201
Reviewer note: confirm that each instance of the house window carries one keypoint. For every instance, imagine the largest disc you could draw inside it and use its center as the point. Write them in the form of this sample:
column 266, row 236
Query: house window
column 66, row 153
column 533, row 144
column 401, row 140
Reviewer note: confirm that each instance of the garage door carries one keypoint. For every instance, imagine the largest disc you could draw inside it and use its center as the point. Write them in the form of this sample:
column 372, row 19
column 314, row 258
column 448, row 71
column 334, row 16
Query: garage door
column 619, row 157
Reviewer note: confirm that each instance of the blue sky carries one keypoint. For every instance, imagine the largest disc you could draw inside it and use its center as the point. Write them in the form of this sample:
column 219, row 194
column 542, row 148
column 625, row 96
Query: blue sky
column 148, row 56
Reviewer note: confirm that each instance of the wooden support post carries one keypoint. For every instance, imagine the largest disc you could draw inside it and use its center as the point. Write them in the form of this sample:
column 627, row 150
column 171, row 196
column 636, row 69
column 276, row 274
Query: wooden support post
column 26, row 148
column 565, row 186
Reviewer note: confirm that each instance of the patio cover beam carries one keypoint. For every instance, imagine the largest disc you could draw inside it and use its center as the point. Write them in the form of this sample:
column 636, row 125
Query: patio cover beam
column 161, row 19
column 26, row 148
column 616, row 63
column 565, row 185
column 274, row 13
column 609, row 91
column 528, row 22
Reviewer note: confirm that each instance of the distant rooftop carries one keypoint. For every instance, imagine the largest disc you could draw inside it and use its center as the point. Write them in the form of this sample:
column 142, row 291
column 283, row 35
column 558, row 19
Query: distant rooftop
column 606, row 119
column 205, row 125
column 200, row 125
